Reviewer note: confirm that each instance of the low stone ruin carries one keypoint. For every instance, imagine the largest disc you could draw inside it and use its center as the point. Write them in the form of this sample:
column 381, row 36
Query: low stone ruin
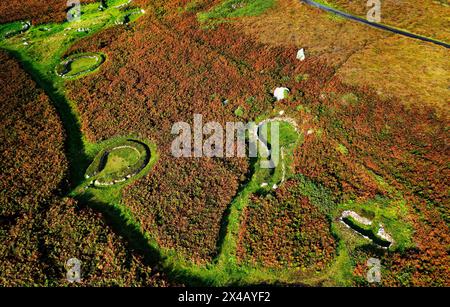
column 356, row 217
column 381, row 233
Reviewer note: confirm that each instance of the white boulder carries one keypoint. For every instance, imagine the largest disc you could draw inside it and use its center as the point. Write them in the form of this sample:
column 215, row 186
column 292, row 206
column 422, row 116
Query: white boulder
column 280, row 93
column 301, row 55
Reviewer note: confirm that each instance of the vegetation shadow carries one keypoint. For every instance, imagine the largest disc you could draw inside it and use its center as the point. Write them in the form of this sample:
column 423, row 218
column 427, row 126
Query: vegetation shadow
column 152, row 256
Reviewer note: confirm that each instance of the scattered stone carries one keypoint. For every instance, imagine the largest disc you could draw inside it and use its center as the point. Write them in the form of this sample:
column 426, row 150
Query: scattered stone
column 26, row 25
column 356, row 217
column 274, row 187
column 236, row 6
column 310, row 131
column 281, row 112
column 384, row 235
column 123, row 5
column 264, row 184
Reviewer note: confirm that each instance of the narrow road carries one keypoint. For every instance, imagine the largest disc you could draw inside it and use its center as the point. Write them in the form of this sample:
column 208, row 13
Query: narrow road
column 375, row 24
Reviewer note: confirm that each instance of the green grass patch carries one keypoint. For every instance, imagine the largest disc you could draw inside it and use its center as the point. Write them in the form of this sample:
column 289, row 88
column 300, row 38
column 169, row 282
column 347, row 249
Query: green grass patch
column 342, row 149
column 235, row 8
column 12, row 29
column 239, row 112
column 349, row 98
column 301, row 77
column 317, row 194
column 341, row 271
column 288, row 139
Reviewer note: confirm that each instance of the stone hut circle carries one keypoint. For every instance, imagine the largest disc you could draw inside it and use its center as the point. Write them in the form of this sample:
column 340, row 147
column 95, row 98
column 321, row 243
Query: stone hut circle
column 118, row 163
column 79, row 64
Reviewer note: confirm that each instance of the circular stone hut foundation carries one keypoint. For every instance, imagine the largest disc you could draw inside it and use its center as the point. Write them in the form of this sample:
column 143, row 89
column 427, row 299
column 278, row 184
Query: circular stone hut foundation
column 79, row 64
column 118, row 163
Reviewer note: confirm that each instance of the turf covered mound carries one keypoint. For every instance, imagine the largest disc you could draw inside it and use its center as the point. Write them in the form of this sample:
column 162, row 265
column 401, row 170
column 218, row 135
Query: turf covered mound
column 118, row 163
column 79, row 64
